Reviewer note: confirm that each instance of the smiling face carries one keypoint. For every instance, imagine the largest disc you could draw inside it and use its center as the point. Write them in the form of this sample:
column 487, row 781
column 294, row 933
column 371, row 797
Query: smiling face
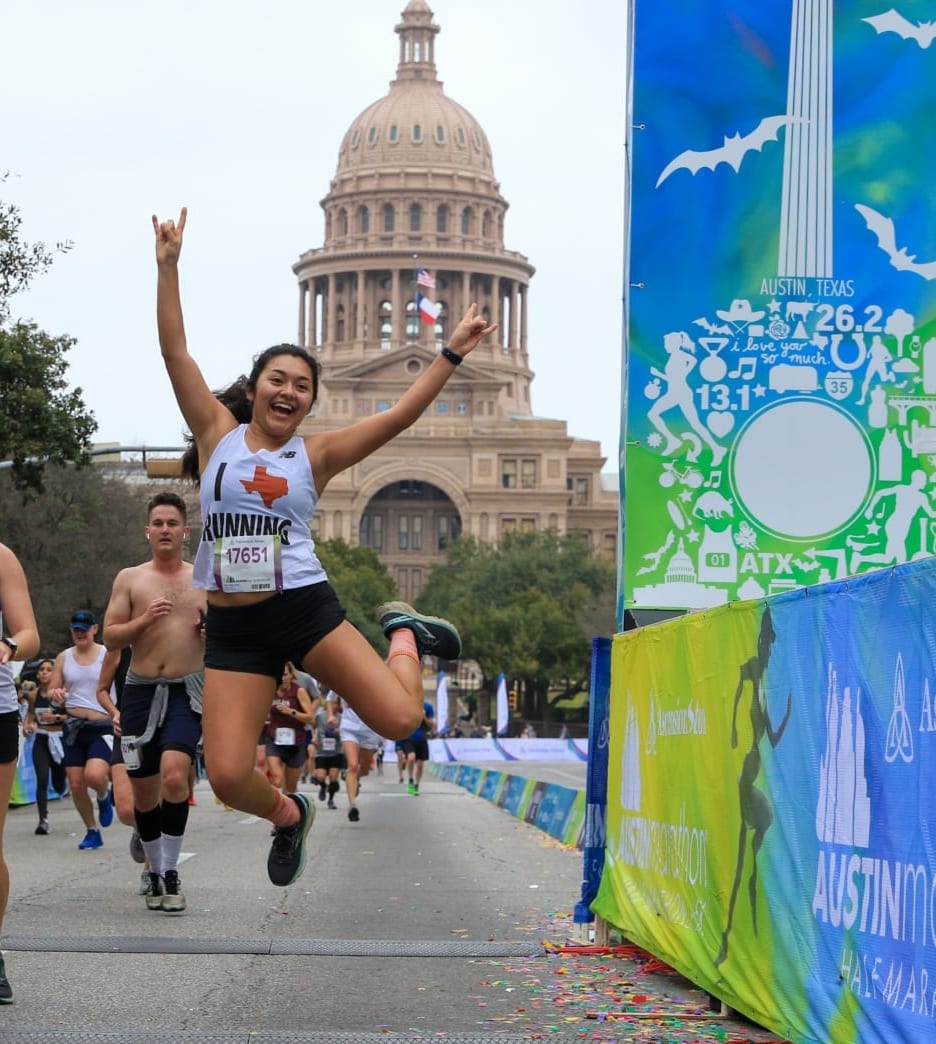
column 283, row 393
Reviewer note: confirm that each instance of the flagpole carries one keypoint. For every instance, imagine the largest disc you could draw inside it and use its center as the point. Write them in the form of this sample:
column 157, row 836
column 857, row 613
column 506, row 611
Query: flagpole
column 416, row 314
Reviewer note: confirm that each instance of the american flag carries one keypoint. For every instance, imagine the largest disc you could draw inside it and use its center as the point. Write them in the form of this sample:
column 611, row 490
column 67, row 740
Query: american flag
column 424, row 278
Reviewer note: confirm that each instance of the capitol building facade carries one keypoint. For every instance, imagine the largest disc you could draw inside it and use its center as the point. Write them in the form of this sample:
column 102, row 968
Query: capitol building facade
column 414, row 210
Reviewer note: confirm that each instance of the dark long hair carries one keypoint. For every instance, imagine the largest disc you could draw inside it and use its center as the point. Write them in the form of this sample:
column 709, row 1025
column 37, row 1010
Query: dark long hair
column 234, row 397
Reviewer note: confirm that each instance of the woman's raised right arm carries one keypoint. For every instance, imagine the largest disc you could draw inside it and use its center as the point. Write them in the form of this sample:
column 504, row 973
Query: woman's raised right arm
column 206, row 418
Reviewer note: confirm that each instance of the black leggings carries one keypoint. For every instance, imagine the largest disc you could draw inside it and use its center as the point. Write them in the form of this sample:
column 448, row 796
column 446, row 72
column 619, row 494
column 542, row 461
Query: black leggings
column 43, row 764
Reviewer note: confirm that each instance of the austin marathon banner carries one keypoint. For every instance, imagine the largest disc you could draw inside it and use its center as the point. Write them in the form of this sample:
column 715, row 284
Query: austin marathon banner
column 770, row 828
column 780, row 422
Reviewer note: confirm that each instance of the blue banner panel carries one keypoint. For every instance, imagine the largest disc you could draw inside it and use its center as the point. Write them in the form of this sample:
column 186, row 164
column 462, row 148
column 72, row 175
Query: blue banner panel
column 780, row 416
column 770, row 829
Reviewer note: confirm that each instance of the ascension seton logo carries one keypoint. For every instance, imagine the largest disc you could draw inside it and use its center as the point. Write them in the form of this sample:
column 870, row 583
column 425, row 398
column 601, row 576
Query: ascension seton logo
column 899, row 734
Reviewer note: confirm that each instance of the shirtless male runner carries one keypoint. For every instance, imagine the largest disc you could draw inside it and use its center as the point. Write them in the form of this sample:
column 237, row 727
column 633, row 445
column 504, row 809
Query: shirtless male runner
column 155, row 610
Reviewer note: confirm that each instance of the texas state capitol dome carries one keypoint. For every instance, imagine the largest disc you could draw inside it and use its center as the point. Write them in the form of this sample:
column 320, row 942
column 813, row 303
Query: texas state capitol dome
column 415, row 189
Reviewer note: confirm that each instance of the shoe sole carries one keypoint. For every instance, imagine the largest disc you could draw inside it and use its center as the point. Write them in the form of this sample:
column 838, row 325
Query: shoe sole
column 173, row 903
column 154, row 902
column 310, row 819
column 434, row 636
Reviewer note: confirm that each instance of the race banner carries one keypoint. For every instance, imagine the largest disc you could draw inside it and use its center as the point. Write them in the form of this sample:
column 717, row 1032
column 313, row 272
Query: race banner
column 780, row 416
column 769, row 823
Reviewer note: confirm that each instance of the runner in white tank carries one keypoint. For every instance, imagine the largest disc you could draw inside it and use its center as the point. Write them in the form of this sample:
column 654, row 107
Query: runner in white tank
column 268, row 599
column 19, row 640
column 88, row 735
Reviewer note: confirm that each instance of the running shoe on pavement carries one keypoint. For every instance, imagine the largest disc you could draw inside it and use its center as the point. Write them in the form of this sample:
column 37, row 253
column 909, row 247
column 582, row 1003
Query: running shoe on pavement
column 434, row 636
column 353, row 814
column 136, row 848
column 154, row 896
column 173, row 901
column 145, row 883
column 92, row 839
column 6, row 990
column 286, row 860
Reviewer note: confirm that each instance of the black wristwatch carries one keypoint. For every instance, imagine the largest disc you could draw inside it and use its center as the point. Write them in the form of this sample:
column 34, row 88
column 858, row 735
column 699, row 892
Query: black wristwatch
column 13, row 646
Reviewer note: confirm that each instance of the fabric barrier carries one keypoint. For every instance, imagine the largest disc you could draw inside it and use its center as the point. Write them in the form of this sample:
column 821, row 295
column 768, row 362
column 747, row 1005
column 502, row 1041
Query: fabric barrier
column 771, row 772
column 558, row 811
column 492, row 748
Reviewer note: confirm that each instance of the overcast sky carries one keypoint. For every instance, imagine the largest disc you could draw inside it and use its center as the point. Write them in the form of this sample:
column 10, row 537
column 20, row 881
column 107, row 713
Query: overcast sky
column 114, row 110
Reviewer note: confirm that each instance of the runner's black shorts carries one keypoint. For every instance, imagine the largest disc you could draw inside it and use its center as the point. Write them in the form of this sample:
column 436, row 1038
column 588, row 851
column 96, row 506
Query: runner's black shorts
column 9, row 737
column 261, row 638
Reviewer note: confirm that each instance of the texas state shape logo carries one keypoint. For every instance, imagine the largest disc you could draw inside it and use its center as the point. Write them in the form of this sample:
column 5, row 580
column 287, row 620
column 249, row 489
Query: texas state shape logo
column 270, row 487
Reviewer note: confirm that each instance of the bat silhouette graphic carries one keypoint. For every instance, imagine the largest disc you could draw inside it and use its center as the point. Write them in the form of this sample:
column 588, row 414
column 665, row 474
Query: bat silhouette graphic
column 893, row 21
column 710, row 328
column 883, row 228
column 732, row 151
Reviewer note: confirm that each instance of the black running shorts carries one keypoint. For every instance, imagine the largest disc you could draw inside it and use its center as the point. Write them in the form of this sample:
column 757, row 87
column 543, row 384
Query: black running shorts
column 261, row 638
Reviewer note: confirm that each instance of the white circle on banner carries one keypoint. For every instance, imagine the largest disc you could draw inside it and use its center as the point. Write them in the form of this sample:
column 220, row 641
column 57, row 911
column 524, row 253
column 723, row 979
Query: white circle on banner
column 802, row 469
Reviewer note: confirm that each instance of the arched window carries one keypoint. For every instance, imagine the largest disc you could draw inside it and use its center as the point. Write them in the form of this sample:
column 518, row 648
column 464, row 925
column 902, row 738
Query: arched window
column 415, row 217
column 486, row 225
column 340, row 323
column 363, row 221
column 441, row 326
column 342, row 222
column 412, row 322
column 385, row 312
column 440, row 133
column 466, row 221
column 393, row 133
column 388, row 217
column 417, row 132
column 442, row 216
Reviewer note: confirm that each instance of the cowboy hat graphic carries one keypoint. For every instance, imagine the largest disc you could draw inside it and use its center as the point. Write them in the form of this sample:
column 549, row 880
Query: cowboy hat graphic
column 740, row 312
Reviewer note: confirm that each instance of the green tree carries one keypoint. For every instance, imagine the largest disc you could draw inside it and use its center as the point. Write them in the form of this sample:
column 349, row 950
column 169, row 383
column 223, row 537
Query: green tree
column 41, row 419
column 72, row 537
column 361, row 582
column 529, row 607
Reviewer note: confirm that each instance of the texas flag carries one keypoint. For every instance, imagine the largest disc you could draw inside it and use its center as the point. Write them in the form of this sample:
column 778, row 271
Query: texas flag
column 428, row 310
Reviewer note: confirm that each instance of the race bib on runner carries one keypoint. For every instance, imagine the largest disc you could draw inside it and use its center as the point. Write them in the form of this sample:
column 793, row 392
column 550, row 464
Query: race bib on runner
column 328, row 743
column 285, row 737
column 248, row 563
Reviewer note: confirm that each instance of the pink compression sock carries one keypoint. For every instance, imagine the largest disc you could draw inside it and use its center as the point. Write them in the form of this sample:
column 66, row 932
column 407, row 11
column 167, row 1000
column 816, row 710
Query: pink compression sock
column 285, row 811
column 403, row 643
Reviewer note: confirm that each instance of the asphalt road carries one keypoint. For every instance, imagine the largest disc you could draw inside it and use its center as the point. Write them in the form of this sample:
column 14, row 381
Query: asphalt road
column 432, row 916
